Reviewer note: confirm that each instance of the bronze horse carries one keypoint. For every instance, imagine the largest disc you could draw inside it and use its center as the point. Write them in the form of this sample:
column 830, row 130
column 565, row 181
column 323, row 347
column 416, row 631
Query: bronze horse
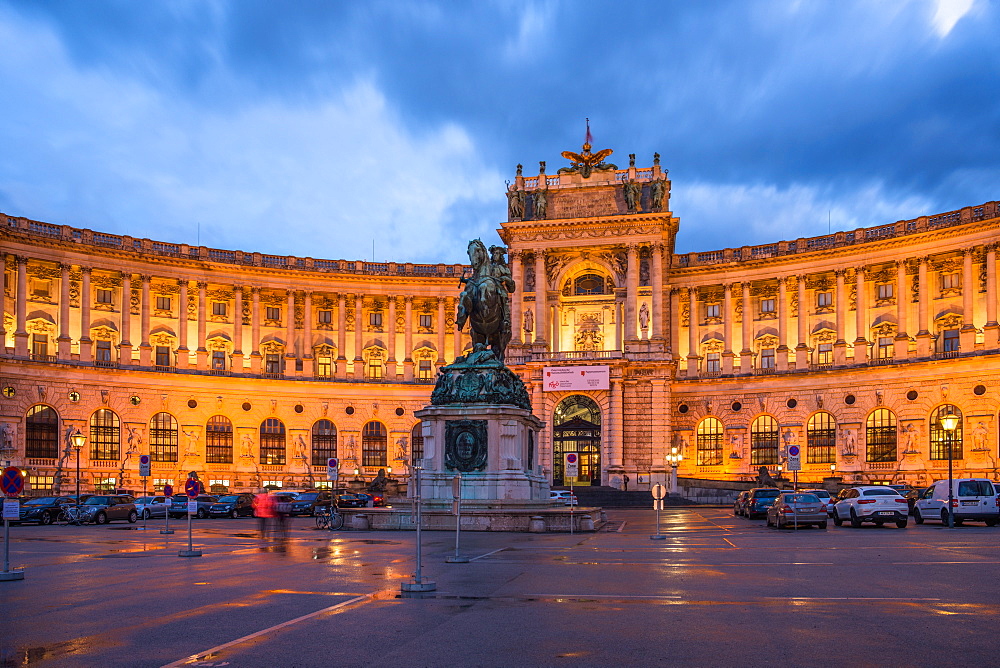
column 485, row 302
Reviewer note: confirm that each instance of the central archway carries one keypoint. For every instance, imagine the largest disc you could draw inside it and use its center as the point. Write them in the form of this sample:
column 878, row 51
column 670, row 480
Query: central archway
column 577, row 428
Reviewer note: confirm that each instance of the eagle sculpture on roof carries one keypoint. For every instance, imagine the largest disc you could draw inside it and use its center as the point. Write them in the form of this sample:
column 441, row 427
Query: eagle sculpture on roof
column 586, row 161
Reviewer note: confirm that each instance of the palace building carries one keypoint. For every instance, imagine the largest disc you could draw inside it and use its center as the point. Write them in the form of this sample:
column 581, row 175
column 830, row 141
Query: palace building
column 253, row 369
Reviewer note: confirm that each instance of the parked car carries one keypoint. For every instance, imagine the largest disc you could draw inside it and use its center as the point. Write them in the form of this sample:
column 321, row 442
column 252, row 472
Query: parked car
column 878, row 504
column 283, row 502
column 740, row 502
column 797, row 509
column 232, row 505
column 45, row 509
column 972, row 499
column 151, row 506
column 824, row 496
column 348, row 500
column 372, row 499
column 759, row 500
column 103, row 508
column 305, row 503
column 178, row 505
column 563, row 496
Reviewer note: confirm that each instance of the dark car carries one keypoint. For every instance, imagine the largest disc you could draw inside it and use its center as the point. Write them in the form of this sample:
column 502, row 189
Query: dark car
column 103, row 508
column 347, row 500
column 178, row 506
column 45, row 509
column 305, row 503
column 372, row 499
column 232, row 505
column 759, row 501
column 740, row 503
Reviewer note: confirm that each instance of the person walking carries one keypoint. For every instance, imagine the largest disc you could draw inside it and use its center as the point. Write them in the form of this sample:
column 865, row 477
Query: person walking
column 263, row 508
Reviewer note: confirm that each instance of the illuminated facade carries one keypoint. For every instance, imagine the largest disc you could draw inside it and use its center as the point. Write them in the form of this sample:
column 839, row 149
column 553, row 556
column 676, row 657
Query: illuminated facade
column 252, row 369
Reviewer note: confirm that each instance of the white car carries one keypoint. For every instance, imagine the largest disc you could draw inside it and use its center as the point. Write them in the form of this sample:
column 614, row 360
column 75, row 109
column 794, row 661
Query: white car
column 567, row 498
column 875, row 503
column 973, row 499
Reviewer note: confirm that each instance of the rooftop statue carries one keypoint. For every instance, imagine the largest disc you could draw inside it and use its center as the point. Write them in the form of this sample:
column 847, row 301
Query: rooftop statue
column 585, row 163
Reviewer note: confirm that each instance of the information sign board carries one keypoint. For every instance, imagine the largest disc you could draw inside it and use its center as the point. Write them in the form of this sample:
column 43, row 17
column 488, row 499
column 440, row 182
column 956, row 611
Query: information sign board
column 562, row 378
column 192, row 507
column 11, row 509
column 143, row 466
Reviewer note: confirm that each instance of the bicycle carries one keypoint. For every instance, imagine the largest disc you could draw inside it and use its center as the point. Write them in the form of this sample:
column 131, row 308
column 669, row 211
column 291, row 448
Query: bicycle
column 72, row 515
column 326, row 520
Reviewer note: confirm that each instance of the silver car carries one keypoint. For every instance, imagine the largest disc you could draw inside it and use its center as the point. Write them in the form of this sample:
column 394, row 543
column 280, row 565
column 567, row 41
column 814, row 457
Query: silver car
column 151, row 506
column 797, row 509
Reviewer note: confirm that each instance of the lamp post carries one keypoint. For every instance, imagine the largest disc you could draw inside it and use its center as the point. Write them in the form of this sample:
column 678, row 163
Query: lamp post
column 673, row 460
column 949, row 423
column 78, row 440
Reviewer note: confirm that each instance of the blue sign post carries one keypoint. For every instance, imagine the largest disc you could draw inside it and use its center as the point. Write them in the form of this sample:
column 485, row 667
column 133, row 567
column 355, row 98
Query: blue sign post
column 11, row 483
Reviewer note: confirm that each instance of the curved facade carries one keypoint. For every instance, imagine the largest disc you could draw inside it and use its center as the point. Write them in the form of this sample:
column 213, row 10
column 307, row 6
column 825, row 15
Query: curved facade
column 252, row 369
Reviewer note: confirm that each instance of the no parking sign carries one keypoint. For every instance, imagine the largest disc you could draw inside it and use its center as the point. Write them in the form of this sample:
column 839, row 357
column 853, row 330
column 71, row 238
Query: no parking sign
column 794, row 458
column 572, row 465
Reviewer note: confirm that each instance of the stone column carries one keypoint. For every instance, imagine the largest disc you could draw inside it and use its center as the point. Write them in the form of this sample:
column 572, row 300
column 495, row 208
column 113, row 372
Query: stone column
column 21, row 306
column 390, row 336
column 802, row 347
column 440, row 331
column 968, row 332
column 290, row 351
column 541, row 289
column 727, row 329
column 86, row 343
column 145, row 349
column 342, row 336
column 616, row 439
column 3, row 300
column 632, row 292
column 992, row 328
column 255, row 357
column 692, row 356
column 860, row 318
column 840, row 297
column 309, row 360
column 202, row 352
column 746, row 353
column 555, row 336
column 516, row 324
column 408, row 338
column 237, row 363
column 359, row 336
column 619, row 324
column 781, row 354
column 65, row 340
column 125, row 347
column 901, row 345
column 675, row 323
column 925, row 341
column 183, row 353
column 657, row 280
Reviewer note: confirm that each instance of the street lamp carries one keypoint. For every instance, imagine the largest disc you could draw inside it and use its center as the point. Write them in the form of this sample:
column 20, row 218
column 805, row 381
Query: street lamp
column 673, row 460
column 78, row 440
column 833, row 470
column 949, row 423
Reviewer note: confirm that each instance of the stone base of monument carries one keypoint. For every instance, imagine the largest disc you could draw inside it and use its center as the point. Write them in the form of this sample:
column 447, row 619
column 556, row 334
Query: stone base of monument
column 529, row 518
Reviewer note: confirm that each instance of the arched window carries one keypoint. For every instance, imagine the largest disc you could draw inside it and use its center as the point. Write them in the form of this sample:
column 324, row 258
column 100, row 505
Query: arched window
column 710, row 433
column 324, row 442
column 219, row 440
column 764, row 441
column 588, row 284
column 416, row 444
column 821, row 439
column 940, row 437
column 105, row 435
column 881, row 436
column 163, row 438
column 42, row 434
column 272, row 442
column 374, row 440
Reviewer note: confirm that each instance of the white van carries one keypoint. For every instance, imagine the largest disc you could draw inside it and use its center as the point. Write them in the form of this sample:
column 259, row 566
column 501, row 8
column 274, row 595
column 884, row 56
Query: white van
column 973, row 499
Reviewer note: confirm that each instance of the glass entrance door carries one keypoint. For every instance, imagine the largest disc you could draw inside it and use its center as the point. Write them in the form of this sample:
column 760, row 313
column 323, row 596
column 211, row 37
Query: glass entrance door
column 577, row 429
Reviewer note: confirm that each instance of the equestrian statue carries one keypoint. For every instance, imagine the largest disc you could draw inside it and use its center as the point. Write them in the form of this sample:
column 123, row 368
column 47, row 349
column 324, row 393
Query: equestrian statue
column 485, row 300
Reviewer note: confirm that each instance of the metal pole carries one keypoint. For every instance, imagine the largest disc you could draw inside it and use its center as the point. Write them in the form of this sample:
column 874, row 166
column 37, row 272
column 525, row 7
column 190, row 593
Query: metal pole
column 78, row 476
column 456, row 492
column 144, row 511
column 571, row 504
column 418, row 585
column 417, row 577
column 167, row 502
column 951, row 484
column 6, row 546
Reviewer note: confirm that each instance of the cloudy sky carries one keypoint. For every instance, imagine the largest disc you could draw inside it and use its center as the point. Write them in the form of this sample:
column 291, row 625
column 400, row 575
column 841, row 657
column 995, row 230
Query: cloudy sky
column 316, row 128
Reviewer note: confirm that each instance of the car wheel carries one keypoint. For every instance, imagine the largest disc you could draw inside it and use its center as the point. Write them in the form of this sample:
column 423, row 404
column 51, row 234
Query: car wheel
column 769, row 521
column 901, row 524
column 917, row 517
column 132, row 517
column 47, row 518
column 821, row 525
column 855, row 520
column 201, row 514
column 944, row 516
column 992, row 523
column 234, row 514
column 101, row 518
column 880, row 524
column 836, row 519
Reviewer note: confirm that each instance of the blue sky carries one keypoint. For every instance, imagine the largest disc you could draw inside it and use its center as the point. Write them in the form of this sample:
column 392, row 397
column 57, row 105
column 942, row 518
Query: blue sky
column 314, row 128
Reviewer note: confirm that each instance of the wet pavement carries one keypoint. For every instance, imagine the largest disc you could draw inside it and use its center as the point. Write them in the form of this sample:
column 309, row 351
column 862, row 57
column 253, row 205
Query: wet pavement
column 718, row 590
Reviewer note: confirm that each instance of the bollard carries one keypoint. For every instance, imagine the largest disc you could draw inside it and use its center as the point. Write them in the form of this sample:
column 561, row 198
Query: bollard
column 586, row 523
column 536, row 524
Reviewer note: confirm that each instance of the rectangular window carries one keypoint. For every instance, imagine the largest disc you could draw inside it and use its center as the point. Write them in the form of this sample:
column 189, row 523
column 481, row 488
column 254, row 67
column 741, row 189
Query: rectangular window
column 324, row 367
column 40, row 288
column 104, row 485
column 767, row 358
column 219, row 308
column 103, row 296
column 375, row 368
column 163, row 356
column 713, row 363
column 162, row 303
column 323, row 484
column 219, row 486
column 711, row 310
column 949, row 341
column 103, row 352
column 951, row 281
column 884, row 347
column 158, row 483
column 425, row 320
column 824, row 353
column 324, row 317
column 41, row 483
column 884, row 290
column 375, row 319
column 767, row 305
column 425, row 370
column 39, row 345
column 272, row 363
column 824, row 299
column 274, row 484
column 273, row 313
column 218, row 359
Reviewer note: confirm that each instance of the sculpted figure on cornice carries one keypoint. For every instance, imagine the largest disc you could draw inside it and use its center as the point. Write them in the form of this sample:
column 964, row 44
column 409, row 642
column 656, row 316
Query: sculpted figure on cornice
column 618, row 260
column 616, row 231
column 554, row 263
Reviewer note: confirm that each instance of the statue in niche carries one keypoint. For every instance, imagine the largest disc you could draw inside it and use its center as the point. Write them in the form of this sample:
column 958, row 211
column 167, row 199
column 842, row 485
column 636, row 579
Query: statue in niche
column 485, row 300
column 541, row 203
column 644, row 316
column 979, row 434
column 909, row 440
column 529, row 321
column 515, row 202
column 632, row 192
column 657, row 191
column 6, row 437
